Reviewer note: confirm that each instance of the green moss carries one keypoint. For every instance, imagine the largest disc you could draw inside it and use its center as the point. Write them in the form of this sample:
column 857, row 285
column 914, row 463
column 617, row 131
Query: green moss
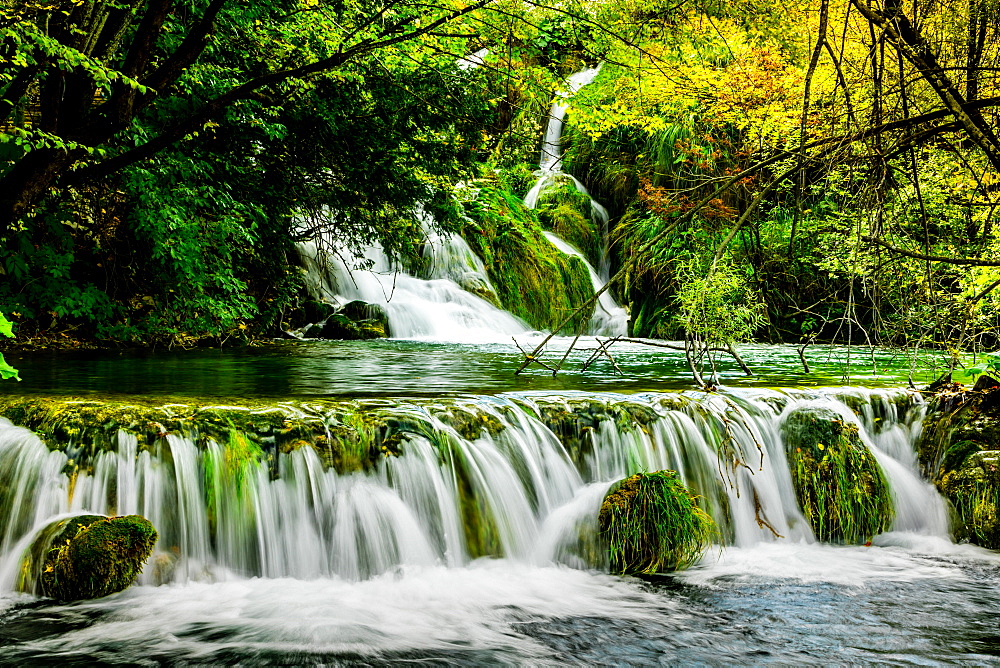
column 566, row 211
column 87, row 556
column 346, row 435
column 958, row 449
column 533, row 279
column 840, row 488
column 974, row 489
column 652, row 523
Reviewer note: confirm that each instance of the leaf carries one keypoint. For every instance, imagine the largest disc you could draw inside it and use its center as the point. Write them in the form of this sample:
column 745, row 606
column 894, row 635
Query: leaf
column 6, row 327
column 7, row 371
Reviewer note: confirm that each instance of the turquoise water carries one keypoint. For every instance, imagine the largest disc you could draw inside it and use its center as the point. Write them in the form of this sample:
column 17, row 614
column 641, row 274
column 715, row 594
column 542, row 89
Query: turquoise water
column 413, row 368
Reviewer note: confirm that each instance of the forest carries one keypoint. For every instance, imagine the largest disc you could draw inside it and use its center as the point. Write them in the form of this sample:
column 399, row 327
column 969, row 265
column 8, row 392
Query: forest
column 363, row 332
column 823, row 170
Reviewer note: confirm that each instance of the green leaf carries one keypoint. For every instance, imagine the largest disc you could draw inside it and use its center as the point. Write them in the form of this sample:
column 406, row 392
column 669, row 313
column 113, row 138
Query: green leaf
column 6, row 327
column 7, row 371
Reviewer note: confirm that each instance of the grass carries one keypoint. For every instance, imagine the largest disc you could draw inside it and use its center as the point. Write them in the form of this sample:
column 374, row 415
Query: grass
column 840, row 487
column 652, row 523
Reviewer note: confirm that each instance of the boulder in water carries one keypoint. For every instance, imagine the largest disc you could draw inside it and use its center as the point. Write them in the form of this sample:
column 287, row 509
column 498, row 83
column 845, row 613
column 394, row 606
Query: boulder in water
column 356, row 320
column 88, row 556
column 652, row 523
column 839, row 485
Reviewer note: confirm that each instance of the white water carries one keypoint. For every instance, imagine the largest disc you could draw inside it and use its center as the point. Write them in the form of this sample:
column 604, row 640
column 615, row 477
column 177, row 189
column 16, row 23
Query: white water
column 610, row 319
column 415, row 510
column 435, row 307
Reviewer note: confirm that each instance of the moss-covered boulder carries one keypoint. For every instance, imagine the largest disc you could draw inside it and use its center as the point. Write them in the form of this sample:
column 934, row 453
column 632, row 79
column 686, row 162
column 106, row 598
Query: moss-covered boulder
column 840, row 487
column 88, row 556
column 652, row 523
column 356, row 320
column 958, row 450
column 533, row 279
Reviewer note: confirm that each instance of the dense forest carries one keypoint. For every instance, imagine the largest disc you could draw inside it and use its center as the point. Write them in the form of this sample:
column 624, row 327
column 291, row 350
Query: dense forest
column 824, row 170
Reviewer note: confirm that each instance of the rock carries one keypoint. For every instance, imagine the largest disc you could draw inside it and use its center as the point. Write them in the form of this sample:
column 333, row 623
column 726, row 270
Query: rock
column 652, row 523
column 958, row 450
column 88, row 556
column 356, row 320
column 840, row 487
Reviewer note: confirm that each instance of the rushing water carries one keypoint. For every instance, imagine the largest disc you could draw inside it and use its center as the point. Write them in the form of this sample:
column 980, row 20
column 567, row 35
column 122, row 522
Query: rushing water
column 298, row 563
column 472, row 539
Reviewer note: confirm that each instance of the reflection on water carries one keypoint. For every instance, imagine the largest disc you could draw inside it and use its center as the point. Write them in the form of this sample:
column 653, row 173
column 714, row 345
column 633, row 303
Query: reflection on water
column 411, row 368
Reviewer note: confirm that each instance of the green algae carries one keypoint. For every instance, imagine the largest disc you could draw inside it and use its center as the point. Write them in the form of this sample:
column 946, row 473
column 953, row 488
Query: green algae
column 651, row 523
column 839, row 485
column 532, row 278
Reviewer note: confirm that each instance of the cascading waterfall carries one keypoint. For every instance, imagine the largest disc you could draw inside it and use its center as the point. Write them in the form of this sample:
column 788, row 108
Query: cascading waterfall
column 610, row 319
column 517, row 476
column 440, row 306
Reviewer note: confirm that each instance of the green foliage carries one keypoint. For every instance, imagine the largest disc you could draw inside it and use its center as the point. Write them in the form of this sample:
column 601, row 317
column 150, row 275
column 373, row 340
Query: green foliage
column 652, row 523
column 841, row 489
column 718, row 306
column 533, row 279
column 6, row 370
column 990, row 366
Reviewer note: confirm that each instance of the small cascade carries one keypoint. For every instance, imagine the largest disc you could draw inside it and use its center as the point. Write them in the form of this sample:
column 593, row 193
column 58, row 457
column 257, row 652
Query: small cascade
column 517, row 476
column 610, row 319
column 450, row 302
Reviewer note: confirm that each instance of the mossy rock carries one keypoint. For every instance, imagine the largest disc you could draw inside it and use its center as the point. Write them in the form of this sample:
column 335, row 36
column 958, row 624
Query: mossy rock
column 958, row 451
column 651, row 523
column 339, row 327
column 974, row 489
column 533, row 279
column 88, row 556
column 566, row 211
column 840, row 487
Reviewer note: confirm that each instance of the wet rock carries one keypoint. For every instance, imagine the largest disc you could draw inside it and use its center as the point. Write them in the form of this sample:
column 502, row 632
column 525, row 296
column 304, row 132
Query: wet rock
column 88, row 556
column 839, row 485
column 651, row 523
column 357, row 320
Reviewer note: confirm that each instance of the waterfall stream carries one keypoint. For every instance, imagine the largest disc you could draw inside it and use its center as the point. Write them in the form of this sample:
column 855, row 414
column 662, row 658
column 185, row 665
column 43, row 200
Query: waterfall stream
column 517, row 476
column 440, row 305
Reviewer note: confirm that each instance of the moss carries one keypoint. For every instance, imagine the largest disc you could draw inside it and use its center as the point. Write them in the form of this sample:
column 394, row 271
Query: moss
column 974, row 489
column 87, row 556
column 651, row 523
column 566, row 211
column 841, row 489
column 347, row 435
column 533, row 279
column 958, row 449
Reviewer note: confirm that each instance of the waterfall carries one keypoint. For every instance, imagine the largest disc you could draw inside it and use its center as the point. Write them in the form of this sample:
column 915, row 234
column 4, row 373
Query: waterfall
column 610, row 319
column 441, row 305
column 519, row 476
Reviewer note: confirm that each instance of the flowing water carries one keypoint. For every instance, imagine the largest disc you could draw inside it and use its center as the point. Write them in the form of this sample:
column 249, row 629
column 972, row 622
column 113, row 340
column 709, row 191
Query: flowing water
column 469, row 535
column 472, row 545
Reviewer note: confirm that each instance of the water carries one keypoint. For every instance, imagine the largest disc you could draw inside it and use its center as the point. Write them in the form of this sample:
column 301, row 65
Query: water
column 443, row 304
column 420, row 368
column 302, row 564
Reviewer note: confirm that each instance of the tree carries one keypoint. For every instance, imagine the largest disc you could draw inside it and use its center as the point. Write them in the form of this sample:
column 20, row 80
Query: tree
column 76, row 74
